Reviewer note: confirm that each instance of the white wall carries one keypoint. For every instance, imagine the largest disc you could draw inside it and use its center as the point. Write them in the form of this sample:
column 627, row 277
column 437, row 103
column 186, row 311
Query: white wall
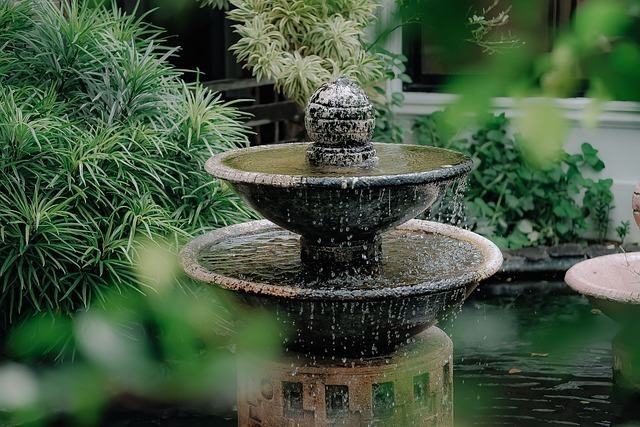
column 616, row 136
column 617, row 139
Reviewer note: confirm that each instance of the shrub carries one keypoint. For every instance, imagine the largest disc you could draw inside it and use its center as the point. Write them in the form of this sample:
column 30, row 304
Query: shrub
column 515, row 203
column 100, row 142
column 302, row 44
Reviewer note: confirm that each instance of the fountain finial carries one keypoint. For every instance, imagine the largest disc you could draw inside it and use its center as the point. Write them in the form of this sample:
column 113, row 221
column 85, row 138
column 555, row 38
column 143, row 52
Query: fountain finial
column 340, row 120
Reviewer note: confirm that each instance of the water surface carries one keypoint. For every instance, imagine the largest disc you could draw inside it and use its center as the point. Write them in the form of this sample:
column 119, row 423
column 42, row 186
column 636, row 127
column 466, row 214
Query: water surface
column 409, row 258
column 291, row 160
column 533, row 360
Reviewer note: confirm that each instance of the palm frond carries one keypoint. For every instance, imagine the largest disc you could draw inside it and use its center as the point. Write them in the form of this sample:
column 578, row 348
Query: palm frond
column 101, row 142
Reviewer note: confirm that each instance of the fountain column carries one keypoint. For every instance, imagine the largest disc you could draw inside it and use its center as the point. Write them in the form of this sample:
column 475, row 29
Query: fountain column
column 340, row 120
column 412, row 386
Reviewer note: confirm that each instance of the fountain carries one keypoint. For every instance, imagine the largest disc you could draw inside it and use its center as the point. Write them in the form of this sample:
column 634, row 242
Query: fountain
column 355, row 282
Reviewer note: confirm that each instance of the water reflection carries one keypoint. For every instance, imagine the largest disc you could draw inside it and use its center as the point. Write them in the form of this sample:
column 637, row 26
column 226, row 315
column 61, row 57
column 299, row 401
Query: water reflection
column 626, row 374
column 413, row 386
column 535, row 359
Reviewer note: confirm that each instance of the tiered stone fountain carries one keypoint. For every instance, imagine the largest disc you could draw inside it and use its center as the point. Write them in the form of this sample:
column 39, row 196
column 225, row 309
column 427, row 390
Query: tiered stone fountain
column 355, row 282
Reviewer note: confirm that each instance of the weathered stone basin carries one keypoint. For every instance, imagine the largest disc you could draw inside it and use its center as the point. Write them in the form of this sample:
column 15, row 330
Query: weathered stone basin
column 338, row 211
column 427, row 270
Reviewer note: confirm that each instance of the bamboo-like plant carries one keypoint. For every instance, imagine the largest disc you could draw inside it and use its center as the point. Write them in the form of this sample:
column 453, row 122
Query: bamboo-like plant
column 100, row 142
column 301, row 44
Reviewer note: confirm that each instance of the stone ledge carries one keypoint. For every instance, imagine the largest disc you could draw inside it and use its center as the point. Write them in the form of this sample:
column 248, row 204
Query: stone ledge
column 549, row 263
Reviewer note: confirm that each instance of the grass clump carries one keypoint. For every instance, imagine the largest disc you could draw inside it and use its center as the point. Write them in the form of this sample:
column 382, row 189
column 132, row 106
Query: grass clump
column 100, row 142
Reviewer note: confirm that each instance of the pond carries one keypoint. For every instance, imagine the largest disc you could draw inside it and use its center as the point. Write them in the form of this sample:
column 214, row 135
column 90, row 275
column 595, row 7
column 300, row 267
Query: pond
column 534, row 358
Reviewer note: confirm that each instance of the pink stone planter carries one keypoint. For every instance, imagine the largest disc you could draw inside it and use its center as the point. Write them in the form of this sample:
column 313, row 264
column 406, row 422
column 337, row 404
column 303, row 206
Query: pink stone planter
column 611, row 283
column 635, row 203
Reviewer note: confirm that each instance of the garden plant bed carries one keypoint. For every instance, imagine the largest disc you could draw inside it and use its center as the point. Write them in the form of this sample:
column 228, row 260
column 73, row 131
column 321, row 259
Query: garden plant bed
column 551, row 262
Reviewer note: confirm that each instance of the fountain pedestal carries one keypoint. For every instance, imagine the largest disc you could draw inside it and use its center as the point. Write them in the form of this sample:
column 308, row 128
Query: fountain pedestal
column 412, row 386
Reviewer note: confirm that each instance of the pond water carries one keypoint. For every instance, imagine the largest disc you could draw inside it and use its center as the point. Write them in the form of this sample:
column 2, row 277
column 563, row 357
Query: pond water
column 531, row 359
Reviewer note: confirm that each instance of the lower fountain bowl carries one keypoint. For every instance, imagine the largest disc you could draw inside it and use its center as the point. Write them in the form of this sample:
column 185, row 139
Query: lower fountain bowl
column 353, row 328
column 426, row 271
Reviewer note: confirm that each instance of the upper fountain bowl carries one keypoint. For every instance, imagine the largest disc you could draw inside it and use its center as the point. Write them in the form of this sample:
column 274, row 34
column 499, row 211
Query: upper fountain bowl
column 339, row 207
column 340, row 191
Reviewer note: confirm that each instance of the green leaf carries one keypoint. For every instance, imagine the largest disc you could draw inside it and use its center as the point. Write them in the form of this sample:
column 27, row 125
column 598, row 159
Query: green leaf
column 405, row 78
column 591, row 157
column 525, row 226
column 542, row 145
column 562, row 227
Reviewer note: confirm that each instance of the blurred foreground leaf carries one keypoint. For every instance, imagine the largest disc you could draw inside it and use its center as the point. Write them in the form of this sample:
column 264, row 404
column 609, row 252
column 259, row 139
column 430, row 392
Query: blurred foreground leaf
column 544, row 131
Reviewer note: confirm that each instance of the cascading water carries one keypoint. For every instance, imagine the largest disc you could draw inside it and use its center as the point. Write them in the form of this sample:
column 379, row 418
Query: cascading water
column 356, row 284
column 450, row 207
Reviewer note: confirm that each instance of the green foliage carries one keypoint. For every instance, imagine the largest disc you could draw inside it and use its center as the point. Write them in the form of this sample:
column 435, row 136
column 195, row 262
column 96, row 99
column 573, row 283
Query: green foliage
column 387, row 128
column 599, row 198
column 485, row 29
column 623, row 230
column 600, row 51
column 303, row 43
column 516, row 203
column 463, row 28
column 167, row 346
column 100, row 142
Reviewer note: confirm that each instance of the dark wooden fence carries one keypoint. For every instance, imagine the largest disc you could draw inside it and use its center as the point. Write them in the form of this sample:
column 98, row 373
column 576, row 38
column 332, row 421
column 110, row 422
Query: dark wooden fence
column 274, row 118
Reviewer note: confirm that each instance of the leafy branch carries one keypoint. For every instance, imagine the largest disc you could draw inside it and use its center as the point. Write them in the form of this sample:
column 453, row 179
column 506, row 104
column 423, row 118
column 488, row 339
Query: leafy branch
column 303, row 43
column 516, row 203
column 484, row 28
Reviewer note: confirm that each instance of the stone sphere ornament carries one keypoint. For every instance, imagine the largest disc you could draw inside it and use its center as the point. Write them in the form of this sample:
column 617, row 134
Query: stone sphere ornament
column 340, row 120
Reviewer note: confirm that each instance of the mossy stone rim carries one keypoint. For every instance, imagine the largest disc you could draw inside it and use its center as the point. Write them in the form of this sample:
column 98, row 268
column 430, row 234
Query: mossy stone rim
column 216, row 167
column 189, row 261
